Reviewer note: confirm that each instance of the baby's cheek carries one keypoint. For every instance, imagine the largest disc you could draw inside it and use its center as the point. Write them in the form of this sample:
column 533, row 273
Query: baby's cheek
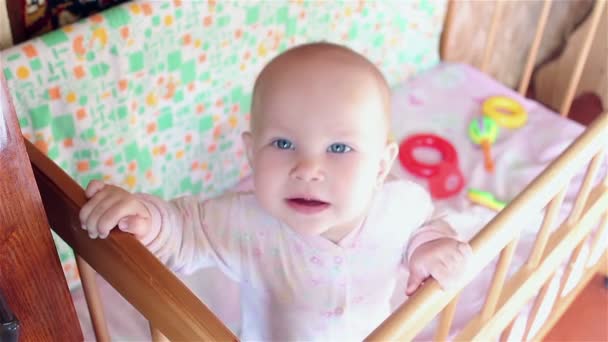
column 356, row 168
column 267, row 166
column 266, row 195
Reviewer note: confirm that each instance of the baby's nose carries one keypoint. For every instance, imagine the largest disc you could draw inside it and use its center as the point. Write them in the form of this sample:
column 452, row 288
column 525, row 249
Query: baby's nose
column 308, row 170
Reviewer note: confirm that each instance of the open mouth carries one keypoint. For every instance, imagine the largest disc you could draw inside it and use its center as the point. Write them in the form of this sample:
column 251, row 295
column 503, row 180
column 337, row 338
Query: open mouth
column 306, row 205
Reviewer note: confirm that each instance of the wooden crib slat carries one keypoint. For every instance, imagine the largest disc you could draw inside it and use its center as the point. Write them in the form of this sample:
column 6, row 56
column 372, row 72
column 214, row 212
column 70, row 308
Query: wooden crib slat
column 605, row 181
column 91, row 295
column 560, row 307
column 156, row 335
column 537, row 305
column 582, row 57
column 489, row 48
column 504, row 336
column 522, row 286
column 35, row 299
column 583, row 193
column 540, row 29
column 446, row 320
column 596, row 243
column 576, row 254
column 124, row 262
column 498, row 280
column 447, row 28
column 543, row 234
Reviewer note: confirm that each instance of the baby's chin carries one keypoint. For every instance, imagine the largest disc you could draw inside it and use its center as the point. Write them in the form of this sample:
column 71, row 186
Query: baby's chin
column 303, row 226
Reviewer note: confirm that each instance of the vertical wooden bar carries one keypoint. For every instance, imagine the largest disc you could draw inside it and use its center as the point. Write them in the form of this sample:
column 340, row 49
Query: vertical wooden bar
column 570, row 267
column 543, row 234
column 31, row 278
column 447, row 29
column 582, row 57
column 540, row 29
column 583, row 193
column 156, row 335
column 16, row 18
column 605, row 181
column 596, row 243
column 487, row 53
column 498, row 281
column 91, row 295
column 504, row 336
column 604, row 223
column 538, row 302
column 446, row 320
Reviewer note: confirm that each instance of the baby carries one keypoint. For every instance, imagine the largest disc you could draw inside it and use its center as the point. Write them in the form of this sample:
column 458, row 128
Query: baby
column 317, row 245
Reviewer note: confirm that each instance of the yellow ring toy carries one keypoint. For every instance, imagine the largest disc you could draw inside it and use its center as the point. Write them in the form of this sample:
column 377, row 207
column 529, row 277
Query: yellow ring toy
column 505, row 111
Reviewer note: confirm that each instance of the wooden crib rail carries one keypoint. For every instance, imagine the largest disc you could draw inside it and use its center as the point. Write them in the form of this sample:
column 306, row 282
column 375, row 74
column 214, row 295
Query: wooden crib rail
column 502, row 231
column 127, row 265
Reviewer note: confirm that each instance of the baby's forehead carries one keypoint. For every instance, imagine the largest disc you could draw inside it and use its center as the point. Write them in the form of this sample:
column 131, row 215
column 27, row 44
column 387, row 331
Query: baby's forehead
column 320, row 71
column 337, row 119
column 295, row 66
column 318, row 80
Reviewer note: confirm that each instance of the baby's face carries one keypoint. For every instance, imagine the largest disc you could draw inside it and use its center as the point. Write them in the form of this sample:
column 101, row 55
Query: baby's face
column 319, row 150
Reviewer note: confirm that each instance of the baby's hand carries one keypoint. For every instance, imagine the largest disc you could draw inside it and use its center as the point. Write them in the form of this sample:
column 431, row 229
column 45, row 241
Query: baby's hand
column 110, row 206
column 444, row 259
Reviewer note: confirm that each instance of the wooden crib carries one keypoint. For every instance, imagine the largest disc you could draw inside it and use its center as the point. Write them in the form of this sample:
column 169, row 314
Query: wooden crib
column 175, row 312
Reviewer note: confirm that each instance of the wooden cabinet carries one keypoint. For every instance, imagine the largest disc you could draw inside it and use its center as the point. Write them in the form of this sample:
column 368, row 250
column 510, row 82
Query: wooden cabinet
column 31, row 278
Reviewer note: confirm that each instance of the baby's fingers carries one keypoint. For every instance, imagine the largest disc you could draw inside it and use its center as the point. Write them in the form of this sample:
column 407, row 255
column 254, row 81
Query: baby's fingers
column 98, row 210
column 445, row 278
column 138, row 226
column 93, row 187
column 124, row 208
column 92, row 205
column 416, row 278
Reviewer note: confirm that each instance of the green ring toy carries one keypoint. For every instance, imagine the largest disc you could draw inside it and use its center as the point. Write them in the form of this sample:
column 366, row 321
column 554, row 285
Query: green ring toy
column 483, row 128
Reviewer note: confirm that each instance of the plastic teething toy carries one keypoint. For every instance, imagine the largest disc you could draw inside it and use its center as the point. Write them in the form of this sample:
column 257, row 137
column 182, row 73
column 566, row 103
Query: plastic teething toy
column 484, row 131
column 506, row 111
column 421, row 169
column 485, row 199
column 447, row 182
column 445, row 178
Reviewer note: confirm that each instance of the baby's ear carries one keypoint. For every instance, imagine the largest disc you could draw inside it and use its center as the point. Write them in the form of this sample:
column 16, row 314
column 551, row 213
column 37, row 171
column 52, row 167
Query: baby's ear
column 248, row 141
column 386, row 163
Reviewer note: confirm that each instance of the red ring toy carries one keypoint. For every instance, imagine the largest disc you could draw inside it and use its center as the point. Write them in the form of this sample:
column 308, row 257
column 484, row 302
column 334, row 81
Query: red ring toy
column 425, row 170
column 445, row 178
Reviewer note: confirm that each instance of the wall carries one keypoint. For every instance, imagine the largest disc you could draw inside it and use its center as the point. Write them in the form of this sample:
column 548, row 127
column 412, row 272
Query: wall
column 470, row 25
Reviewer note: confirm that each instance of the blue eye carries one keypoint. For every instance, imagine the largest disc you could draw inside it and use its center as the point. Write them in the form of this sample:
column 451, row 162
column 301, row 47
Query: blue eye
column 283, row 144
column 339, row 148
